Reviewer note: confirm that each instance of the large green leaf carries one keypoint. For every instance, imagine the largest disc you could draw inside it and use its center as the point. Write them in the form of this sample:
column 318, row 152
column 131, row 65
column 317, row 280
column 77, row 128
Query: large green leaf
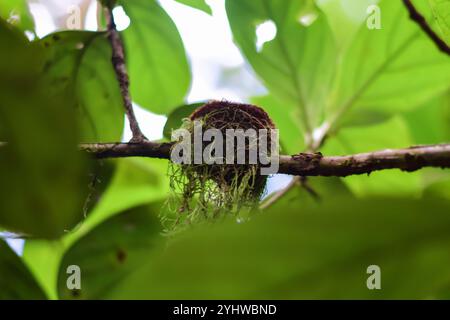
column 295, row 66
column 392, row 69
column 118, row 246
column 441, row 12
column 16, row 282
column 297, row 249
column 156, row 60
column 311, row 252
column 136, row 182
column 16, row 12
column 43, row 185
column 197, row 4
column 79, row 69
column 387, row 70
column 43, row 256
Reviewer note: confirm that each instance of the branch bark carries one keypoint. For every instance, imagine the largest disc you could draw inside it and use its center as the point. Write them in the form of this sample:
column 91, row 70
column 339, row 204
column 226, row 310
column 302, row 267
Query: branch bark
column 408, row 159
column 121, row 150
column 422, row 22
column 304, row 164
column 118, row 61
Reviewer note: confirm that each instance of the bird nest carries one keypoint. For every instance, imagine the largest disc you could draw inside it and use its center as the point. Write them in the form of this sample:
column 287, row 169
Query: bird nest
column 207, row 191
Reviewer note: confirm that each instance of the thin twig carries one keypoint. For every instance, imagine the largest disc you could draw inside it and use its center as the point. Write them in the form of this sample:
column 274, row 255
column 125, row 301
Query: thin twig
column 314, row 144
column 118, row 61
column 277, row 195
column 422, row 22
column 274, row 197
column 305, row 185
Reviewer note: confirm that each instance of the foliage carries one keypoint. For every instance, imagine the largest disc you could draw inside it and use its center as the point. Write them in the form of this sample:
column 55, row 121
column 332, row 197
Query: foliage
column 198, row 4
column 441, row 12
column 333, row 84
column 152, row 43
column 72, row 61
column 19, row 283
column 284, row 253
column 43, row 189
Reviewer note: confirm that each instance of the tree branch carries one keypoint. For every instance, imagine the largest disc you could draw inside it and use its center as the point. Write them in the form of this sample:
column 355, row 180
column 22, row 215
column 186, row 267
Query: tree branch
column 305, row 164
column 118, row 61
column 422, row 22
column 408, row 159
column 121, row 150
column 277, row 195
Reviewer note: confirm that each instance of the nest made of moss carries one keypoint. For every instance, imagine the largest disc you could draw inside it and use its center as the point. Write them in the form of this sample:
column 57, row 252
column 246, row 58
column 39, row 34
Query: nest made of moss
column 205, row 192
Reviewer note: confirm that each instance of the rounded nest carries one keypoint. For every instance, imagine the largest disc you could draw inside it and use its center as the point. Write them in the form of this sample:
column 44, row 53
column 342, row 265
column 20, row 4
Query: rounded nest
column 207, row 191
column 229, row 115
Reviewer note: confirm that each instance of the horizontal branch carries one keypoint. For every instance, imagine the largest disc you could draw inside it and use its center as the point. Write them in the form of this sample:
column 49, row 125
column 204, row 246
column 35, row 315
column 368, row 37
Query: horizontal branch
column 408, row 159
column 121, row 150
column 305, row 164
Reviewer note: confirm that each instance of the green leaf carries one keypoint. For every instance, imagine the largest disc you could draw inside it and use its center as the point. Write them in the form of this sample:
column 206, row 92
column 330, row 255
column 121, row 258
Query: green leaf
column 17, row 65
column 391, row 69
column 393, row 133
column 78, row 68
column 197, row 4
column 365, row 117
column 43, row 185
column 286, row 120
column 387, row 70
column 16, row 281
column 295, row 66
column 42, row 257
column 430, row 123
column 16, row 12
column 175, row 118
column 113, row 250
column 295, row 250
column 345, row 17
column 101, row 173
column 136, row 182
column 156, row 59
column 441, row 12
